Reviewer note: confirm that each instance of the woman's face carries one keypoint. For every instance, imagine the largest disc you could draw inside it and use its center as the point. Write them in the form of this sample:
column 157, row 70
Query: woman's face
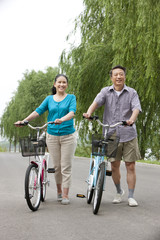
column 61, row 84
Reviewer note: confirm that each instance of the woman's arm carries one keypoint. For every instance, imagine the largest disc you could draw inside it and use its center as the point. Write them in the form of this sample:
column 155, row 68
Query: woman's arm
column 32, row 116
column 67, row 117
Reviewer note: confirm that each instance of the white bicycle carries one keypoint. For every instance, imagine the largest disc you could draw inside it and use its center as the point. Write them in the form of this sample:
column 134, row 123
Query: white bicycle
column 36, row 178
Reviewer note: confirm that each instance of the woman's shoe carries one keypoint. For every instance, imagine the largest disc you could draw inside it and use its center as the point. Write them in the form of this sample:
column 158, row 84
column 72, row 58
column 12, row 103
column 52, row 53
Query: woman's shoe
column 59, row 197
column 65, row 201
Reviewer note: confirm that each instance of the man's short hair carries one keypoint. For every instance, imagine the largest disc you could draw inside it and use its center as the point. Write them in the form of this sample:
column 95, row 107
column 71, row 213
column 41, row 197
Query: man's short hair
column 118, row 66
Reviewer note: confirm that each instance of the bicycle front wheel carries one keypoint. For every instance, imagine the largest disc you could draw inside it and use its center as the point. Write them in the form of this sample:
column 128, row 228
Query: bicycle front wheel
column 90, row 186
column 32, row 187
column 99, row 188
column 89, row 192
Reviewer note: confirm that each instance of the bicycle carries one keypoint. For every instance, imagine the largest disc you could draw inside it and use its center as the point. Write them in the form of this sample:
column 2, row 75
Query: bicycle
column 36, row 179
column 102, row 145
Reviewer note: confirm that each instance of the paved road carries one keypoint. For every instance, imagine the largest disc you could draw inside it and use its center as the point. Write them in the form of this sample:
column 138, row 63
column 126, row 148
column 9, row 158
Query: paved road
column 76, row 221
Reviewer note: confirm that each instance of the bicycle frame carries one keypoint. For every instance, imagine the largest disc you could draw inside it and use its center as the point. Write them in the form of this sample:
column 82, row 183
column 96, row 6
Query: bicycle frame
column 41, row 162
column 36, row 176
column 98, row 169
column 93, row 171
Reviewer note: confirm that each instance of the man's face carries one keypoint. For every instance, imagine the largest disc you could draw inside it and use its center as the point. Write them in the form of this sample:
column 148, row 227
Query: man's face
column 118, row 78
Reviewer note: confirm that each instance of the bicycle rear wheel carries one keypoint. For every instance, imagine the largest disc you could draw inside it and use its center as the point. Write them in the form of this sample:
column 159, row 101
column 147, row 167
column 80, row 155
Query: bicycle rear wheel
column 43, row 183
column 99, row 188
column 32, row 188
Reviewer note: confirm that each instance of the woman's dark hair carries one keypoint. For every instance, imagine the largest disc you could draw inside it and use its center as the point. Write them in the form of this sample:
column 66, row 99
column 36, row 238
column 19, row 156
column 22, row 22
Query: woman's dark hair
column 53, row 89
column 118, row 66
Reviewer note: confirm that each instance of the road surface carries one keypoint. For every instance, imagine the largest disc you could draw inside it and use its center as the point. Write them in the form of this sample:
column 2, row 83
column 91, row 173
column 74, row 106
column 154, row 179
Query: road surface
column 76, row 221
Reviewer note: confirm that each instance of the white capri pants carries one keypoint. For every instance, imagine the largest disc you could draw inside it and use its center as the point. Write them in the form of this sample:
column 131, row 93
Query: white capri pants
column 62, row 149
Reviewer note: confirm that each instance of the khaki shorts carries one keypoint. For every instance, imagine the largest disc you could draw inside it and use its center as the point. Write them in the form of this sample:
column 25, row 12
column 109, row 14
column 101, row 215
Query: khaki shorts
column 128, row 151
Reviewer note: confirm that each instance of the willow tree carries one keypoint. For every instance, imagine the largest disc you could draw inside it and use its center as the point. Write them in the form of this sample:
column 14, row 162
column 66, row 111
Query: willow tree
column 32, row 90
column 118, row 32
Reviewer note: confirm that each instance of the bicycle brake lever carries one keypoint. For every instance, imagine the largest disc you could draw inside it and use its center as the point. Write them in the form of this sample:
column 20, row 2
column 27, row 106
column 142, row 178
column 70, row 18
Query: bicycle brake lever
column 95, row 117
column 25, row 123
column 124, row 123
column 92, row 118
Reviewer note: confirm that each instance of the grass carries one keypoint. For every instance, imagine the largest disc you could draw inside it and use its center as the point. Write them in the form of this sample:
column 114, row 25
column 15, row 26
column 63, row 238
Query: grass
column 150, row 161
column 86, row 152
column 83, row 152
column 3, row 149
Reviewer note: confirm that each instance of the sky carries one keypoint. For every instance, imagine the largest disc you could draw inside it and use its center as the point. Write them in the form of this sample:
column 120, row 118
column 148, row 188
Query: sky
column 32, row 37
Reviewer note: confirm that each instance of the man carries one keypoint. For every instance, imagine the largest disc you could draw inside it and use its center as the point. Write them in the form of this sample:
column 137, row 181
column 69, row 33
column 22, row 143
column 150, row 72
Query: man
column 121, row 103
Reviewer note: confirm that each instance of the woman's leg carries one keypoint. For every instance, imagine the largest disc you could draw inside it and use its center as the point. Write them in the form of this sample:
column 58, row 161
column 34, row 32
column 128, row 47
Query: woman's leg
column 54, row 148
column 68, row 147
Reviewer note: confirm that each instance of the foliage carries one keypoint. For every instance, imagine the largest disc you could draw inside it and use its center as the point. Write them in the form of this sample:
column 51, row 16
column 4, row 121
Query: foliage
column 113, row 32
column 32, row 90
column 118, row 32
column 3, row 149
column 83, row 151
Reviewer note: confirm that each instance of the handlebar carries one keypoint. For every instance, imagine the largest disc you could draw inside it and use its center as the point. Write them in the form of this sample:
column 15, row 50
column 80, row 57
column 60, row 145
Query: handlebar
column 25, row 123
column 123, row 123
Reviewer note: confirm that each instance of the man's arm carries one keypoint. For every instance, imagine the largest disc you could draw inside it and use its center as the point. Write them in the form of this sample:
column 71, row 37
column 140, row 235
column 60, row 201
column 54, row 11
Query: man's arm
column 133, row 117
column 90, row 110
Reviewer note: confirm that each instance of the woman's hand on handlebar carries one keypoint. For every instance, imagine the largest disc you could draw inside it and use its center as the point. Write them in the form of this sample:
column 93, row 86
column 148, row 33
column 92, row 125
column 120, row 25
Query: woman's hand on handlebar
column 58, row 121
column 21, row 123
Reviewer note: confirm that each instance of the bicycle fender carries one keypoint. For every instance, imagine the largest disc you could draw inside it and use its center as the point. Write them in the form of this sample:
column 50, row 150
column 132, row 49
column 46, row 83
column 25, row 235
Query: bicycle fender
column 34, row 163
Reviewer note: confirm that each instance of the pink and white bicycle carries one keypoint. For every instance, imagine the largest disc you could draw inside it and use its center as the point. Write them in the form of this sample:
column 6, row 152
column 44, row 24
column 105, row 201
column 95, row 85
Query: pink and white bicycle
column 36, row 177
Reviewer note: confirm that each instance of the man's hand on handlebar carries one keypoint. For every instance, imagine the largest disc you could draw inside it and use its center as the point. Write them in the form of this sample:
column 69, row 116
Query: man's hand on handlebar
column 130, row 122
column 86, row 115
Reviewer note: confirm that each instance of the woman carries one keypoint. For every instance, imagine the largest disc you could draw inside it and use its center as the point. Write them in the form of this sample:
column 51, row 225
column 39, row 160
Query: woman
column 60, row 138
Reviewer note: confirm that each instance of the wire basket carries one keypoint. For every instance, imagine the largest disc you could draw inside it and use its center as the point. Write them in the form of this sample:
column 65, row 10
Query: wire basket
column 32, row 147
column 104, row 146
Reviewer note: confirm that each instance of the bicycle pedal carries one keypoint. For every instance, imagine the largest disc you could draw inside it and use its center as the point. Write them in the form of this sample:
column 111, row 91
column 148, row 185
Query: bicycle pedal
column 51, row 170
column 80, row 196
column 108, row 173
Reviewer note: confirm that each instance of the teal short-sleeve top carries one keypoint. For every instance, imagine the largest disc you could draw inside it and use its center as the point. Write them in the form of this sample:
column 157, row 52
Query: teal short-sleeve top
column 58, row 110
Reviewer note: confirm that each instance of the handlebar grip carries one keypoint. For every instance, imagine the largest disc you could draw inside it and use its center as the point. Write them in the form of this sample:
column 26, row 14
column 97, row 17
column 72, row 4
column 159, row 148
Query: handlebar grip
column 25, row 123
column 125, row 124
column 52, row 122
column 92, row 118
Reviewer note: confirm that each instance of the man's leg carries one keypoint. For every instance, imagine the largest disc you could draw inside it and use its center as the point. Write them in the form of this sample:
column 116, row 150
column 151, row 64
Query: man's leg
column 116, row 176
column 131, row 155
column 131, row 181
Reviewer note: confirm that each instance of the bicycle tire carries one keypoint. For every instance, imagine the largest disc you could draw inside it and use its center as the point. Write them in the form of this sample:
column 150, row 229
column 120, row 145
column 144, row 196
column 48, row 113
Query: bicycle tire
column 99, row 188
column 43, row 183
column 32, row 189
column 90, row 188
column 89, row 195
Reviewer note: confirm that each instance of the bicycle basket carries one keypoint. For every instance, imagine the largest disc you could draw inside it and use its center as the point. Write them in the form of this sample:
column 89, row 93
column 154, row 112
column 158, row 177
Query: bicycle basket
column 32, row 147
column 104, row 146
